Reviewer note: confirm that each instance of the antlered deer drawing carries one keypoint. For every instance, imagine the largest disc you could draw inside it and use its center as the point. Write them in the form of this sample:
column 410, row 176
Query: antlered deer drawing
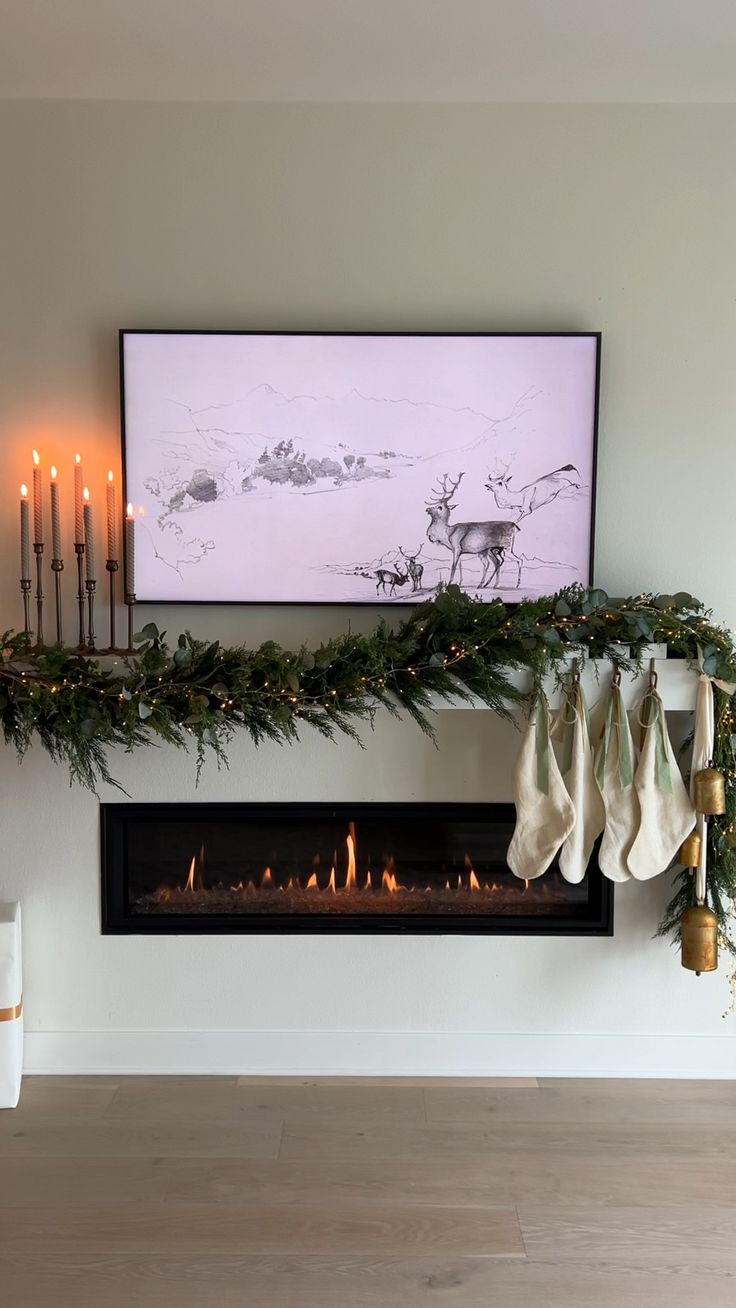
column 413, row 567
column 527, row 499
column 489, row 541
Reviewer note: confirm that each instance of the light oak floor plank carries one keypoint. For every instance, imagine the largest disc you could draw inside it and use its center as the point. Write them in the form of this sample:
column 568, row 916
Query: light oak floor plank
column 494, row 1082
column 62, row 1181
column 632, row 1237
column 259, row 1228
column 468, row 1183
column 455, row 1139
column 578, row 1104
column 109, row 1139
column 70, row 1281
column 468, row 1180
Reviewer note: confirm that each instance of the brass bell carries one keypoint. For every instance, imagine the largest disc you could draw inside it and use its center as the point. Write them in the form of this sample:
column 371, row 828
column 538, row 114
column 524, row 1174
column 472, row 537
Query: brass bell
column 699, row 936
column 709, row 791
column 689, row 855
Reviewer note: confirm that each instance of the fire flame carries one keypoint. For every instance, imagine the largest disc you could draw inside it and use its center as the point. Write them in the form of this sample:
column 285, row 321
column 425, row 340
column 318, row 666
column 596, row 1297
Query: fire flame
column 351, row 877
column 190, row 886
column 194, row 884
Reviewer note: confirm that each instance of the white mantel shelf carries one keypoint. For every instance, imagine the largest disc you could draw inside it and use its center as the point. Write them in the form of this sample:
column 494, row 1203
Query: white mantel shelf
column 677, row 683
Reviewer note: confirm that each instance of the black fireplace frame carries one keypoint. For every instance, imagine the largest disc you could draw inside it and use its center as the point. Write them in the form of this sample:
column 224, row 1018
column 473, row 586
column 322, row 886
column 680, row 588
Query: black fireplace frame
column 116, row 919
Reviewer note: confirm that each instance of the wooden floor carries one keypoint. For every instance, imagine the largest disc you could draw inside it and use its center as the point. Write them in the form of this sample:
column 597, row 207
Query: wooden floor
column 189, row 1192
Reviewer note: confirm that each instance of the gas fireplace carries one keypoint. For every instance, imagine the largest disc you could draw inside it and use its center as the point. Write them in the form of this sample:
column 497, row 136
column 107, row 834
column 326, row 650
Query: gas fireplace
column 182, row 868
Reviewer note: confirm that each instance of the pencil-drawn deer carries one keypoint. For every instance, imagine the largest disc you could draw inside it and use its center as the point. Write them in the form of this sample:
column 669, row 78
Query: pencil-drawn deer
column 415, row 570
column 527, row 499
column 490, row 541
column 390, row 577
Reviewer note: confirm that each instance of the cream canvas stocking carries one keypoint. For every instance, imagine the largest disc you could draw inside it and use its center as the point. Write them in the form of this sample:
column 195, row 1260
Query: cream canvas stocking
column 579, row 776
column 614, row 770
column 544, row 811
column 667, row 814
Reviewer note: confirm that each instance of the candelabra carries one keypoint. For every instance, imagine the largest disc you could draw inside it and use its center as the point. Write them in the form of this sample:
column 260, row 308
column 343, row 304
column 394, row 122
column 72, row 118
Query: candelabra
column 90, row 585
column 38, row 551
column 57, row 567
column 112, row 567
column 79, row 551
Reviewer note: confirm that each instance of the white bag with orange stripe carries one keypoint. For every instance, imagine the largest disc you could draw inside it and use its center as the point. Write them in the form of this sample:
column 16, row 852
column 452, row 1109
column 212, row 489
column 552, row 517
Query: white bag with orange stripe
column 11, row 1006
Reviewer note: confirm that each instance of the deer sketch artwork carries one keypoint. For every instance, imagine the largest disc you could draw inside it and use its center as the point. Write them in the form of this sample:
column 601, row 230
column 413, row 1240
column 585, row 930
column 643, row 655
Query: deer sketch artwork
column 488, row 541
column 414, row 569
column 527, row 499
column 390, row 577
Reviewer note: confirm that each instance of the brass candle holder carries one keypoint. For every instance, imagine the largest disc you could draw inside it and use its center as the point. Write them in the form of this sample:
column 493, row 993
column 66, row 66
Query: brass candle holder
column 112, row 567
column 57, row 567
column 25, row 590
column 79, row 551
column 90, row 587
column 130, row 604
column 38, row 551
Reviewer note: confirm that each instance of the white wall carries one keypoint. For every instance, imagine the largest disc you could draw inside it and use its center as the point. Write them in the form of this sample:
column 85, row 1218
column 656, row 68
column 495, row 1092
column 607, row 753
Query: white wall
column 370, row 217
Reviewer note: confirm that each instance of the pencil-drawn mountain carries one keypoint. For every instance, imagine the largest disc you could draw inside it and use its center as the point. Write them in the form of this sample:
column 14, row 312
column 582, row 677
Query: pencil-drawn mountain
column 326, row 425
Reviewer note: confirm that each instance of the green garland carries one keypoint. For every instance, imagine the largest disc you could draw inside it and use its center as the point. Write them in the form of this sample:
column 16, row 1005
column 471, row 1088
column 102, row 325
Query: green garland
column 453, row 647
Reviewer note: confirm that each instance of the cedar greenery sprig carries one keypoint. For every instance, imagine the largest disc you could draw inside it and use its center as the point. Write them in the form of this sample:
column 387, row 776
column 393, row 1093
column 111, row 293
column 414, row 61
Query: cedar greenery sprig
column 452, row 647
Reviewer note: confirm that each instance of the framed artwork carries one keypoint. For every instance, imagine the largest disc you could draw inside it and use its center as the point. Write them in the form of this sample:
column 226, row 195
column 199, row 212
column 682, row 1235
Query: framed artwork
column 355, row 468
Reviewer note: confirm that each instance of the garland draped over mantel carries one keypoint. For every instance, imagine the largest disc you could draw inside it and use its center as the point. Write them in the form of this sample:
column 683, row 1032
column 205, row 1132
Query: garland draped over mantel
column 453, row 647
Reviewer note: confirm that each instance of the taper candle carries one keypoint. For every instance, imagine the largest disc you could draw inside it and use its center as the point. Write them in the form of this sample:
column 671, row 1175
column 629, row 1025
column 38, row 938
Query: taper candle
column 37, row 500
column 25, row 536
column 78, row 501
column 129, row 552
column 55, row 517
column 89, row 541
column 111, row 519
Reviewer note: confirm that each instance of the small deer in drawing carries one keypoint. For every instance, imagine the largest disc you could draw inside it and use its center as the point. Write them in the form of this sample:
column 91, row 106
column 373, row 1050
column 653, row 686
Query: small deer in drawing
column 390, row 577
column 490, row 541
column 415, row 570
column 527, row 499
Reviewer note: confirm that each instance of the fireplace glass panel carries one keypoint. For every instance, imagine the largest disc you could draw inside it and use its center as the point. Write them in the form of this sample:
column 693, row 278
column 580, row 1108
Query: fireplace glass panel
column 305, row 867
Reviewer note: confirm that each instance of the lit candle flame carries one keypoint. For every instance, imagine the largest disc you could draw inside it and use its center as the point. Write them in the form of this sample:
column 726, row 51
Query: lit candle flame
column 85, row 494
column 109, row 475
column 129, row 511
column 53, row 472
column 36, row 457
column 24, row 491
column 77, row 458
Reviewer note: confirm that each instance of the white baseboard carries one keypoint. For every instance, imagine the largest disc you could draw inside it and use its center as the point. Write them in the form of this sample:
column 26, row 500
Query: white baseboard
column 377, row 1053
